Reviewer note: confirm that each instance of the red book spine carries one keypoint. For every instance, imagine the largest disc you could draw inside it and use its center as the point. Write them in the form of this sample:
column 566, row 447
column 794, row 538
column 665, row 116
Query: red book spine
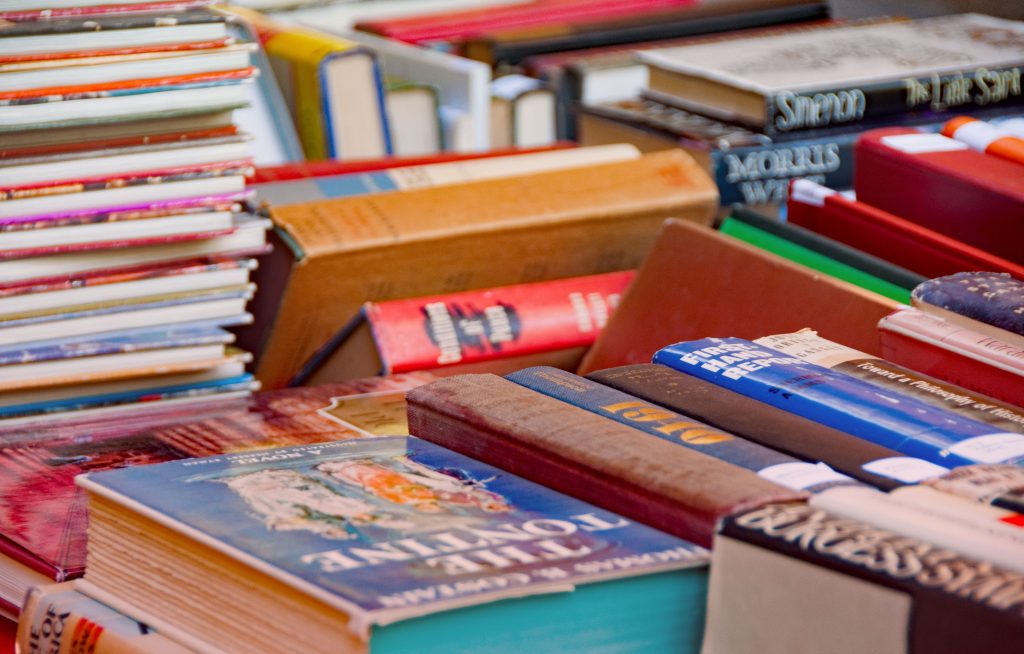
column 940, row 184
column 892, row 238
column 307, row 169
column 461, row 328
column 466, row 24
column 48, row 56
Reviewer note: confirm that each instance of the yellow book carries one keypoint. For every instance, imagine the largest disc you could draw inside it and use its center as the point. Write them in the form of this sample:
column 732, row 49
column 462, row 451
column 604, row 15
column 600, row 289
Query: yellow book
column 333, row 87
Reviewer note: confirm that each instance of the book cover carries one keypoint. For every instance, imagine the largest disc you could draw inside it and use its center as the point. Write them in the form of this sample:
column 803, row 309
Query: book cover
column 580, row 221
column 43, row 514
column 698, row 282
column 682, row 430
column 925, row 251
column 808, row 346
column 941, row 184
column 955, row 353
column 385, row 530
column 572, row 450
column 902, row 423
column 817, row 564
column 846, row 74
column 988, row 302
column 763, row 423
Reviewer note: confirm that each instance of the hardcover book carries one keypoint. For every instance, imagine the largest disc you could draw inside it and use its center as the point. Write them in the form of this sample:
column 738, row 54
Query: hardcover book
column 698, row 282
column 955, row 353
column 589, row 456
column 580, row 221
column 452, row 334
column 846, row 74
column 810, row 563
column 389, row 544
column 990, row 303
column 43, row 514
column 902, row 423
column 660, row 422
column 925, row 251
column 941, row 184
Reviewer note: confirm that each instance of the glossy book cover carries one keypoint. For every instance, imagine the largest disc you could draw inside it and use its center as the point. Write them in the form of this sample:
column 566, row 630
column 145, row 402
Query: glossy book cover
column 42, row 514
column 391, row 528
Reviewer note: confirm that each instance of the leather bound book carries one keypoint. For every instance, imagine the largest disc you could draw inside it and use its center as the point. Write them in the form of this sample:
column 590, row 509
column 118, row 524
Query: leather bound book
column 759, row 422
column 941, row 184
column 337, row 254
column 586, row 455
column 697, row 282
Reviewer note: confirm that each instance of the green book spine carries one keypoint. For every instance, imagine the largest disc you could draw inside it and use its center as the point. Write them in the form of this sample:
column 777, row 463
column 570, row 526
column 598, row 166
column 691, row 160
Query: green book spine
column 811, row 259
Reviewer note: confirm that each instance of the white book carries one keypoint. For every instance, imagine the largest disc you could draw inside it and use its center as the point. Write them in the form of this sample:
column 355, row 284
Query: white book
column 122, row 196
column 135, row 105
column 131, row 290
column 128, row 161
column 98, row 324
column 971, row 529
column 113, row 39
column 105, row 71
column 344, row 15
column 462, row 84
column 250, row 235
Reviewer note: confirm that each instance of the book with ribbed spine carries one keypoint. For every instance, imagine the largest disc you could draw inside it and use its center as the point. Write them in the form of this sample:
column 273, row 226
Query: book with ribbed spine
column 681, row 430
column 648, row 479
column 902, row 423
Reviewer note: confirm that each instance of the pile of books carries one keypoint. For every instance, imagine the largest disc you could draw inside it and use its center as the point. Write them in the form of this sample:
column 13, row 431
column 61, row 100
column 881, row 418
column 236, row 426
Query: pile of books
column 549, row 396
column 126, row 249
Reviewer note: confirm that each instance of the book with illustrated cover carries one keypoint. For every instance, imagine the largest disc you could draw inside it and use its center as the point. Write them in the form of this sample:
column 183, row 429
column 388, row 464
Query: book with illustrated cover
column 846, row 74
column 903, row 423
column 990, row 303
column 43, row 514
column 394, row 544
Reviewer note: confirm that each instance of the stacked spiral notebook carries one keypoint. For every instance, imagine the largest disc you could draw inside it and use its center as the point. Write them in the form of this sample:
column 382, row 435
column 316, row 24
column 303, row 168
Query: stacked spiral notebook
column 125, row 250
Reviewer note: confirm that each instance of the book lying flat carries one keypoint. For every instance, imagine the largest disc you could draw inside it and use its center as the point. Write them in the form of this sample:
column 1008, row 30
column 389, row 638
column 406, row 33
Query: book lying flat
column 43, row 515
column 393, row 544
column 986, row 302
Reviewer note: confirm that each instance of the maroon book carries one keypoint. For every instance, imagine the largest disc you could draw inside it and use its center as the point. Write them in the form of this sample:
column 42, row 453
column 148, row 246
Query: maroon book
column 586, row 455
column 43, row 513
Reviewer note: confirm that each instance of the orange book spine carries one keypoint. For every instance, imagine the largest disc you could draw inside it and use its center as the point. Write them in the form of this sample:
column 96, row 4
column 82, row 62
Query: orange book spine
column 985, row 137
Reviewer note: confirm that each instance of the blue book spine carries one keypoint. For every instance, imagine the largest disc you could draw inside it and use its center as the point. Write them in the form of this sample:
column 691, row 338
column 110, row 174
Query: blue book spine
column 343, row 186
column 993, row 298
column 901, row 423
column 679, row 429
column 135, row 341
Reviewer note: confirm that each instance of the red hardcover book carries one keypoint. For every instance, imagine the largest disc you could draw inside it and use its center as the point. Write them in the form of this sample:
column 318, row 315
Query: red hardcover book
column 460, row 25
column 75, row 91
column 307, row 169
column 543, row 323
column 42, row 513
column 48, row 56
column 941, row 184
column 942, row 349
column 886, row 236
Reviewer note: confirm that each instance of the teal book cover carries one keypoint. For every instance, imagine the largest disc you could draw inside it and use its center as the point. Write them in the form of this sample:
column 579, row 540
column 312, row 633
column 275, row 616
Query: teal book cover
column 393, row 528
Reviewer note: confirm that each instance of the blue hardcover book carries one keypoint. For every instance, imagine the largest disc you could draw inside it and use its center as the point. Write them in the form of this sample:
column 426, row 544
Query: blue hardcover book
column 389, row 545
column 902, row 423
column 994, row 299
column 683, row 430
column 132, row 341
column 237, row 383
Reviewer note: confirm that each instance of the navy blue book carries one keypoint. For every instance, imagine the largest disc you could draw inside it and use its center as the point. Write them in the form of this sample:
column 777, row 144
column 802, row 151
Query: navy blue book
column 902, row 423
column 981, row 300
column 389, row 545
column 677, row 428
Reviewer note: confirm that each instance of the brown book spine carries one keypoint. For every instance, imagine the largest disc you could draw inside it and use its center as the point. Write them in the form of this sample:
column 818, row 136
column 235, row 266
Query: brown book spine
column 587, row 456
column 751, row 419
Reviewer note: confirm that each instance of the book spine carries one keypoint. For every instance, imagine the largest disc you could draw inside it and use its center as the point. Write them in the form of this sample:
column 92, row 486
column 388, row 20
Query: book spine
column 59, row 620
column 581, row 454
column 996, row 299
column 947, row 590
column 680, row 430
column 904, row 424
column 485, row 325
column 785, row 432
column 760, row 174
column 809, row 347
column 982, row 88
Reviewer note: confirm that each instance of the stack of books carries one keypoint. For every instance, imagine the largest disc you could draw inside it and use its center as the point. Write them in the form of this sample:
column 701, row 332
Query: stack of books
column 126, row 248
